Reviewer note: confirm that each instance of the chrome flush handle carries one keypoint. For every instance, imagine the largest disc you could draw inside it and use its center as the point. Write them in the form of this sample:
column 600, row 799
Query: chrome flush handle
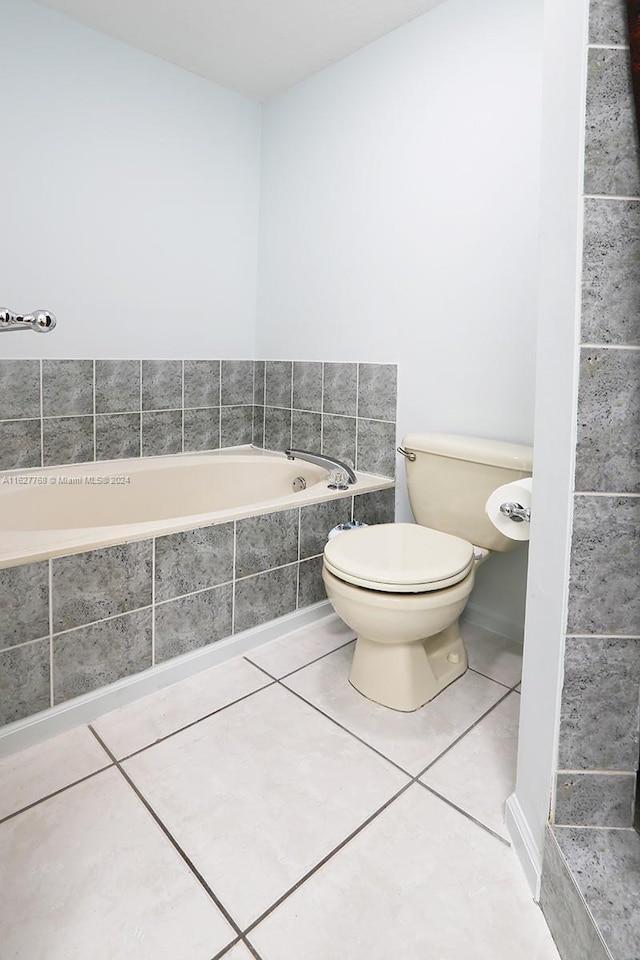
column 407, row 453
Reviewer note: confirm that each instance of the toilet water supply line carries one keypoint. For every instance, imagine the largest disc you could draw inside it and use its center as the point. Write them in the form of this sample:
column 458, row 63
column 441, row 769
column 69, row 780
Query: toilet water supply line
column 42, row 321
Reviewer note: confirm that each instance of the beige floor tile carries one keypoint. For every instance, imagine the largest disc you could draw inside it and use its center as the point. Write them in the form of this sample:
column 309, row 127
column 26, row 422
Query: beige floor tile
column 302, row 646
column 135, row 726
column 89, row 874
column 259, row 793
column 494, row 656
column 479, row 772
column 410, row 739
column 419, row 883
column 40, row 770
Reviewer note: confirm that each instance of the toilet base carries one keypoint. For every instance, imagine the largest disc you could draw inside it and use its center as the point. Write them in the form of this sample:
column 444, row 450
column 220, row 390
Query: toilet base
column 405, row 676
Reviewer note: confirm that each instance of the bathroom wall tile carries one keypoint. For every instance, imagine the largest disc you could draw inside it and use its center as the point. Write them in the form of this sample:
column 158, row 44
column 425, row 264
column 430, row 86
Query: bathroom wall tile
column 193, row 560
column 597, row 671
column 608, row 445
column 20, row 444
column 117, row 386
column 67, row 440
column 565, row 910
column 117, row 436
column 307, row 386
column 611, row 148
column 258, row 382
column 67, row 387
column 202, row 429
column 604, row 585
column 376, row 507
column 19, row 389
column 306, row 430
column 24, row 681
column 377, row 391
column 278, row 374
column 100, row 583
column 193, row 622
column 611, row 279
column 264, row 597
column 202, row 383
column 377, row 447
column 237, row 382
column 162, row 433
column 270, row 540
column 310, row 587
column 236, row 426
column 317, row 519
column 93, row 656
column 340, row 388
column 277, row 428
column 161, row 384
column 258, row 427
column 339, row 438
column 607, row 22
column 606, row 868
column 24, row 603
column 593, row 799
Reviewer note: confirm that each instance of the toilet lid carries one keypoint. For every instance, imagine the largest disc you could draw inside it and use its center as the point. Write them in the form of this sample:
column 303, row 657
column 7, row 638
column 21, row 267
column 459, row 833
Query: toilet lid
column 399, row 558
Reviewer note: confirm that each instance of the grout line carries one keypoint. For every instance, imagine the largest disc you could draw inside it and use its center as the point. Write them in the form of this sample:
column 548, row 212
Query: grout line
column 225, row 950
column 608, row 46
column 589, row 826
column 93, row 388
column 487, row 677
column 609, row 196
column 464, row 813
column 252, row 950
column 193, row 723
column 598, row 773
column 609, row 346
column 463, row 735
column 153, row 602
column 233, row 582
column 41, row 415
column 91, row 623
column 322, row 411
column 329, row 856
column 605, row 493
column 55, row 793
column 140, row 403
column 304, row 665
column 50, row 611
column 182, row 405
column 187, row 860
column 26, row 643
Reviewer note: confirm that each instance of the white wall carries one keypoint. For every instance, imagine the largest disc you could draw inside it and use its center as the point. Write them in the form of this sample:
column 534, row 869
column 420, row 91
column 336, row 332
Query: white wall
column 129, row 197
column 565, row 46
column 399, row 212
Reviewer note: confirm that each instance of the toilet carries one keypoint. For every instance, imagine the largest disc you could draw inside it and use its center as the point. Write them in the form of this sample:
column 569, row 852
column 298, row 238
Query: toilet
column 402, row 587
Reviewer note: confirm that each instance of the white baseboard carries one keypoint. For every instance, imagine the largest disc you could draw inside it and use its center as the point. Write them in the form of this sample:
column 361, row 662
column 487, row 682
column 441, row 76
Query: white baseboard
column 527, row 851
column 493, row 621
column 81, row 710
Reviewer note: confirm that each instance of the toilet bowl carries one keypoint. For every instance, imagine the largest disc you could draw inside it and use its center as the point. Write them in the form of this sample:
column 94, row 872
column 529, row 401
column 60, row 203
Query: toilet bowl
column 402, row 588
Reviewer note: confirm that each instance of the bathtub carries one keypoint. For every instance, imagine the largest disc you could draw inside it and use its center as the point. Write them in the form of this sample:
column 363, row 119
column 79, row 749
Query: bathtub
column 54, row 511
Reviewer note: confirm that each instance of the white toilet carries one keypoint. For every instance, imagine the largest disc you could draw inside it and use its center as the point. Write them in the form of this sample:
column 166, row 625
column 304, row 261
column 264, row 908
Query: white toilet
column 402, row 586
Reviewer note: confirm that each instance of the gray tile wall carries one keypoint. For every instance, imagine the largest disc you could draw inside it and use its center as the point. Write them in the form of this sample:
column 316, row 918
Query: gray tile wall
column 72, row 624
column 600, row 724
column 346, row 410
column 76, row 411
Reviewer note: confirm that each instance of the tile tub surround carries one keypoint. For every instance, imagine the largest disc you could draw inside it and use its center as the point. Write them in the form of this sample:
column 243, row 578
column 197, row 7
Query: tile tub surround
column 75, row 623
column 56, row 412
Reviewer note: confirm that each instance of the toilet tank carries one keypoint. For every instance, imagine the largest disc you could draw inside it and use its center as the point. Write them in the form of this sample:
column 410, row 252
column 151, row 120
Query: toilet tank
column 452, row 477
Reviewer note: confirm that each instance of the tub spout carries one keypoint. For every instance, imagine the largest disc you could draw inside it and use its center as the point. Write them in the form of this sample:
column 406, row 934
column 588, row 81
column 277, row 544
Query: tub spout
column 321, row 461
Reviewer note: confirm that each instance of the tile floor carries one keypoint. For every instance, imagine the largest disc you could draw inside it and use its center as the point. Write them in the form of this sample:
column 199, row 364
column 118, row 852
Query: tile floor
column 265, row 809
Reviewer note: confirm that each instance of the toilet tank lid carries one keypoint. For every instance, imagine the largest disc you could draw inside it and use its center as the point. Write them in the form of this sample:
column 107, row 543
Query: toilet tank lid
column 495, row 453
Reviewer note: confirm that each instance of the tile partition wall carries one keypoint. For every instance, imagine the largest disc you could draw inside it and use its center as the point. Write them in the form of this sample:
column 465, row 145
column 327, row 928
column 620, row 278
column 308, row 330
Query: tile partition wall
column 591, row 856
column 75, row 411
column 73, row 624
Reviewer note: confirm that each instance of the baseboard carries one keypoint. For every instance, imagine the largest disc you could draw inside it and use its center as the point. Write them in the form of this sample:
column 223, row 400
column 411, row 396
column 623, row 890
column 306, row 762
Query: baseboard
column 81, row 710
column 526, row 849
column 492, row 620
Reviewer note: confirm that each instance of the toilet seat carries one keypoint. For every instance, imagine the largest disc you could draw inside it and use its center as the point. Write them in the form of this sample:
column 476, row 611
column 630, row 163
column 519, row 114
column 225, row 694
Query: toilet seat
column 399, row 558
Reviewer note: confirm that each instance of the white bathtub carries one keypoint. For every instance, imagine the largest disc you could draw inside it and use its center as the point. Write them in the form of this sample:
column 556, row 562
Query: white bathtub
column 53, row 511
